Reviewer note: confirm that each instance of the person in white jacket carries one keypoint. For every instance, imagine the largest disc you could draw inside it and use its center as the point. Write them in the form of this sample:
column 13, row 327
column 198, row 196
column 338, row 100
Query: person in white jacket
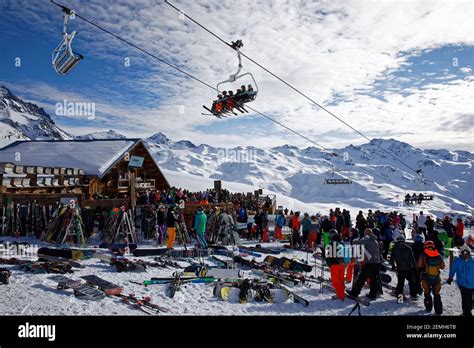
column 422, row 224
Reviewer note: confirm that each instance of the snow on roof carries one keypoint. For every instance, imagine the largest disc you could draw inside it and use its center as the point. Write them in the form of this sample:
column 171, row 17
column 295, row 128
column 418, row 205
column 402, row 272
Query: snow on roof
column 95, row 157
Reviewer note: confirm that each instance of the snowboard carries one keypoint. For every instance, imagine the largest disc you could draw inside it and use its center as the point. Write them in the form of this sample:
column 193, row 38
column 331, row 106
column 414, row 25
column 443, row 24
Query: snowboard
column 296, row 298
column 70, row 254
column 107, row 287
column 118, row 246
column 82, row 291
column 150, row 252
column 287, row 264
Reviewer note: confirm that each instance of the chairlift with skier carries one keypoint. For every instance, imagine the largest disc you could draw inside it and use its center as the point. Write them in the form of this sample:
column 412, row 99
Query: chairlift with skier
column 228, row 101
column 64, row 59
column 336, row 181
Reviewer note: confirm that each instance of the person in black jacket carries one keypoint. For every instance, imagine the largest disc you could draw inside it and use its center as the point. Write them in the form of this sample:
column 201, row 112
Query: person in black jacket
column 417, row 249
column 171, row 220
column 433, row 236
column 403, row 262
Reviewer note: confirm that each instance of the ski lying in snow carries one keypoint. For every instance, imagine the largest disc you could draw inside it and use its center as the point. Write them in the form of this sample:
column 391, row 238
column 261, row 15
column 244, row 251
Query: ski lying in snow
column 259, row 249
column 107, row 287
column 249, row 252
column 145, row 304
column 220, row 273
column 81, row 290
column 197, row 280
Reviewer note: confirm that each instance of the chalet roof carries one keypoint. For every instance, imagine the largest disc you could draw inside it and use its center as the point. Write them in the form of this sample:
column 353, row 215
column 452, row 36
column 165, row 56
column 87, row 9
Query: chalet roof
column 95, row 157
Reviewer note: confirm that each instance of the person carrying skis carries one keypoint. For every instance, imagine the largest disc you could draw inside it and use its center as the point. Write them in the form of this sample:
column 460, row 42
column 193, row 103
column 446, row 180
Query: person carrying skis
column 279, row 223
column 161, row 224
column 296, row 226
column 336, row 265
column 403, row 262
column 463, row 268
column 200, row 228
column 430, row 265
column 371, row 267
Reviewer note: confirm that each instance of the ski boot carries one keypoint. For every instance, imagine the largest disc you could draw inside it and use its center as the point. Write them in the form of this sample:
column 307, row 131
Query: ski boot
column 244, row 291
column 428, row 303
column 5, row 276
column 438, row 305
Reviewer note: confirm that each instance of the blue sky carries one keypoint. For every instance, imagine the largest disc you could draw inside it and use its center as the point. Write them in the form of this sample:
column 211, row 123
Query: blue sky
column 397, row 69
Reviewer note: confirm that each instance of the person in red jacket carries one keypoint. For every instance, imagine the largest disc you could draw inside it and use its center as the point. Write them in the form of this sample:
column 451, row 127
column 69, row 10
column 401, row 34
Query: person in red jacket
column 459, row 232
column 296, row 226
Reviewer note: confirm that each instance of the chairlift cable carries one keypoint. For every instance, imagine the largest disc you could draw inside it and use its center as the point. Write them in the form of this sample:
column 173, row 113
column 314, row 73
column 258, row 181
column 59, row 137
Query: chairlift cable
column 332, row 153
column 208, row 85
column 302, row 94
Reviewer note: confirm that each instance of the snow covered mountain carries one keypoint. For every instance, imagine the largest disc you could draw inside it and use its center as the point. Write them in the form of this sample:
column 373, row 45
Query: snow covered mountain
column 20, row 120
column 111, row 134
column 379, row 180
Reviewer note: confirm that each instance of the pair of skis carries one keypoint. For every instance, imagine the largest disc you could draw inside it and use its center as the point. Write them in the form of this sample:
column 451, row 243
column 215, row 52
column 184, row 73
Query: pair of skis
column 97, row 288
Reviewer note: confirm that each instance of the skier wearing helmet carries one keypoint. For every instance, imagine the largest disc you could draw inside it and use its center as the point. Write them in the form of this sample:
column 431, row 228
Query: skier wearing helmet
column 403, row 262
column 430, row 265
column 463, row 269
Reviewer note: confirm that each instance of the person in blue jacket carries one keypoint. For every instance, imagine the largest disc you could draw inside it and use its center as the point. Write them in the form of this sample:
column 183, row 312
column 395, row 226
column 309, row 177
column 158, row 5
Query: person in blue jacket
column 463, row 268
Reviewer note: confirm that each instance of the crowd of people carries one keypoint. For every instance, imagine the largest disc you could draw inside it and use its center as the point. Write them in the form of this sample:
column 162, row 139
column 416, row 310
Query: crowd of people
column 417, row 260
column 174, row 195
column 416, row 251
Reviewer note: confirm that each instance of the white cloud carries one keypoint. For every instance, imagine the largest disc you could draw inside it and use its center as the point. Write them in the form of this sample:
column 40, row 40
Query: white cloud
column 324, row 48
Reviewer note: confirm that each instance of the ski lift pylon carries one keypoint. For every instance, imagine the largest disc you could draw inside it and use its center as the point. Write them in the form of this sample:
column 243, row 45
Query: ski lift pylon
column 64, row 59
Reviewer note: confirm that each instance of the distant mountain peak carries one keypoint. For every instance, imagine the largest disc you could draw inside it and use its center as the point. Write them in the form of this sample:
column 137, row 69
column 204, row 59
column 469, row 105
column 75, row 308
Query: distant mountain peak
column 159, row 138
column 110, row 134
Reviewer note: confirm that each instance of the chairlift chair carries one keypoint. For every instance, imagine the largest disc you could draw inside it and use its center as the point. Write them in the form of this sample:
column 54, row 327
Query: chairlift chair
column 338, row 181
column 64, row 59
column 247, row 96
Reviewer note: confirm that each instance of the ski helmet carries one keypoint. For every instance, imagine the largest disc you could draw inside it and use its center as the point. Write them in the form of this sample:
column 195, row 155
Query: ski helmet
column 419, row 238
column 400, row 239
column 465, row 248
column 430, row 244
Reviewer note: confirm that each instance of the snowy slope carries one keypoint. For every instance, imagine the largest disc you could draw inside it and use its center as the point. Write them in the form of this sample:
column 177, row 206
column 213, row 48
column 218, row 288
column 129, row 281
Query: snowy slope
column 20, row 120
column 378, row 179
